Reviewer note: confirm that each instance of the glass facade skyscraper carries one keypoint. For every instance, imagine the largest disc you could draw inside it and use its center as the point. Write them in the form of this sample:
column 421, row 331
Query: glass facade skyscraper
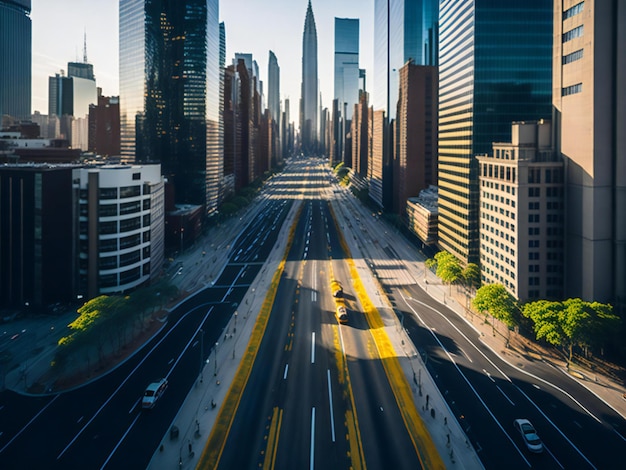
column 347, row 63
column 403, row 30
column 170, row 85
column 495, row 67
column 15, row 58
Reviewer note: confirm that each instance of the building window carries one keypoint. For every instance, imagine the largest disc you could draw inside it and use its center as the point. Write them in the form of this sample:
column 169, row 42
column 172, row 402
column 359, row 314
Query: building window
column 573, row 33
column 108, row 193
column 107, row 210
column 573, row 57
column 572, row 89
column 578, row 8
column 130, row 191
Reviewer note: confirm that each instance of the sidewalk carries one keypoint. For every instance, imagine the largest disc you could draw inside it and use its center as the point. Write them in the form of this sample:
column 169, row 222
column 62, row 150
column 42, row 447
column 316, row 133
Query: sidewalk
column 197, row 415
column 453, row 445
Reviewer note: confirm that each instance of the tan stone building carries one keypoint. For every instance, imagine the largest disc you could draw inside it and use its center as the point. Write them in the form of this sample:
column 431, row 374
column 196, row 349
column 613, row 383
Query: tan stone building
column 521, row 214
column 589, row 74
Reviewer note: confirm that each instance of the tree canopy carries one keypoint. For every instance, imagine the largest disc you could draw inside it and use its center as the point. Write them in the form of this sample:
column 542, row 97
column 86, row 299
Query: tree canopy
column 448, row 267
column 495, row 299
column 572, row 322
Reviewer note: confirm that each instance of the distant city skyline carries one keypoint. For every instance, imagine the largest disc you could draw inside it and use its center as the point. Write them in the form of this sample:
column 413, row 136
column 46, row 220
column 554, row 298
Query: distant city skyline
column 59, row 28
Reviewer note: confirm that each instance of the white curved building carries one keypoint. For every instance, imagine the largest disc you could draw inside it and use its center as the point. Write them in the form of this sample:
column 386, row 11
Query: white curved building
column 120, row 226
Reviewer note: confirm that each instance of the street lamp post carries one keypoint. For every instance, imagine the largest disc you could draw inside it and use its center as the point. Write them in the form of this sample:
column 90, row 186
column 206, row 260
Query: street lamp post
column 201, row 354
column 215, row 360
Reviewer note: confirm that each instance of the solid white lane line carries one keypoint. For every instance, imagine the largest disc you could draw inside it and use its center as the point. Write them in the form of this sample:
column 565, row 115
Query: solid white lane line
column 489, row 375
column 313, row 348
column 332, row 416
column 505, row 396
column 29, row 423
column 312, row 457
column 120, row 441
column 135, row 369
column 286, row 369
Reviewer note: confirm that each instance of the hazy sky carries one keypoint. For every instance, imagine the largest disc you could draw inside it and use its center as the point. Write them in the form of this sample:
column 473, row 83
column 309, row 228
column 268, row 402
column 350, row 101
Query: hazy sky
column 252, row 26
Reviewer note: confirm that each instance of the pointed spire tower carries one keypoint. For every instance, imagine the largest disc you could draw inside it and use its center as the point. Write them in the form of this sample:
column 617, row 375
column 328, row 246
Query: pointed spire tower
column 309, row 121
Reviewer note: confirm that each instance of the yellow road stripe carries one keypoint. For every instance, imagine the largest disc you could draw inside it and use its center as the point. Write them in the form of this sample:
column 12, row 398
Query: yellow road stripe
column 418, row 432
column 214, row 446
column 272, row 440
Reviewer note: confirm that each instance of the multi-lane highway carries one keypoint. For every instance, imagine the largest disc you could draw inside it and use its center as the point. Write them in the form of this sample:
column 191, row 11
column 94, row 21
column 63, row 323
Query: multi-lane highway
column 318, row 394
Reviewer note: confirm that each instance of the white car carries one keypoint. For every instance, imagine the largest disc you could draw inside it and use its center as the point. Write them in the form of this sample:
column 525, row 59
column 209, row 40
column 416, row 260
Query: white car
column 531, row 439
column 153, row 393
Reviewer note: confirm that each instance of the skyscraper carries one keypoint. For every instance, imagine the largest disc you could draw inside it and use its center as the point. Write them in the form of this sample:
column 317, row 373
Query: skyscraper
column 403, row 30
column 309, row 120
column 273, row 85
column 590, row 119
column 495, row 67
column 170, row 82
column 346, row 79
column 15, row 59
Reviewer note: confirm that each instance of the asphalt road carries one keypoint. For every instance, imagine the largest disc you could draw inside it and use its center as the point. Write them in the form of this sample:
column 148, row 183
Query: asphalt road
column 318, row 396
column 101, row 425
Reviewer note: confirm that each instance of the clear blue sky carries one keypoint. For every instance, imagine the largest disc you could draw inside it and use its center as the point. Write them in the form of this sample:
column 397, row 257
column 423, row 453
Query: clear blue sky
column 252, row 26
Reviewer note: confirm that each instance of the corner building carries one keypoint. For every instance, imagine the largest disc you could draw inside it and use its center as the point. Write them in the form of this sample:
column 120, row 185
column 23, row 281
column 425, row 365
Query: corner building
column 495, row 68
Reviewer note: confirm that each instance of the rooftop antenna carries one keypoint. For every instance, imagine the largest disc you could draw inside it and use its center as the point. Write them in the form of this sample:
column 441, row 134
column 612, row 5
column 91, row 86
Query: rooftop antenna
column 85, row 46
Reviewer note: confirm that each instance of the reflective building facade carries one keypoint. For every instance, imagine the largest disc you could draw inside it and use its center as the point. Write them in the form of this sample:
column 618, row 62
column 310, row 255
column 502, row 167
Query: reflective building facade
column 170, row 83
column 347, row 63
column 15, row 58
column 495, row 67
column 403, row 30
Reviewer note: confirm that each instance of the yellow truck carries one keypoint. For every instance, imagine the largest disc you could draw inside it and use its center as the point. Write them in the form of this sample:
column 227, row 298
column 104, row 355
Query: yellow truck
column 336, row 288
column 341, row 312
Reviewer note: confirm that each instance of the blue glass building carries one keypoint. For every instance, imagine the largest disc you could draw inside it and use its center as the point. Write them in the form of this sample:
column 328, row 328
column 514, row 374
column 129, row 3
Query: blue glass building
column 170, row 85
column 15, row 58
column 495, row 67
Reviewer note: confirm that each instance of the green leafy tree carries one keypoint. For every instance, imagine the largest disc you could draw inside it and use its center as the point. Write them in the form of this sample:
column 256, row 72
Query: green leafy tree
column 448, row 268
column 471, row 276
column 499, row 303
column 572, row 322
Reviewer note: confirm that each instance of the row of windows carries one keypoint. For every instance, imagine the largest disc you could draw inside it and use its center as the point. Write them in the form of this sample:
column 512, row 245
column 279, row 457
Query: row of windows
column 111, row 280
column 502, row 211
column 502, row 172
column 497, row 243
column 572, row 11
column 498, row 186
column 573, row 33
column 550, row 280
column 499, row 278
column 574, row 56
column 505, row 235
column 498, row 198
column 497, row 220
column 572, row 89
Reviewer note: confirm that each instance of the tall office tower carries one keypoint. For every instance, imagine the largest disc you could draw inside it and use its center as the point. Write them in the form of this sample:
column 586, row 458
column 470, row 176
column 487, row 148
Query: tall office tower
column 495, row 67
column 590, row 118
column 15, row 59
column 415, row 152
column 346, row 75
column 403, row 30
column 521, row 214
column 273, row 85
column 170, row 92
column 36, row 235
column 309, row 120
